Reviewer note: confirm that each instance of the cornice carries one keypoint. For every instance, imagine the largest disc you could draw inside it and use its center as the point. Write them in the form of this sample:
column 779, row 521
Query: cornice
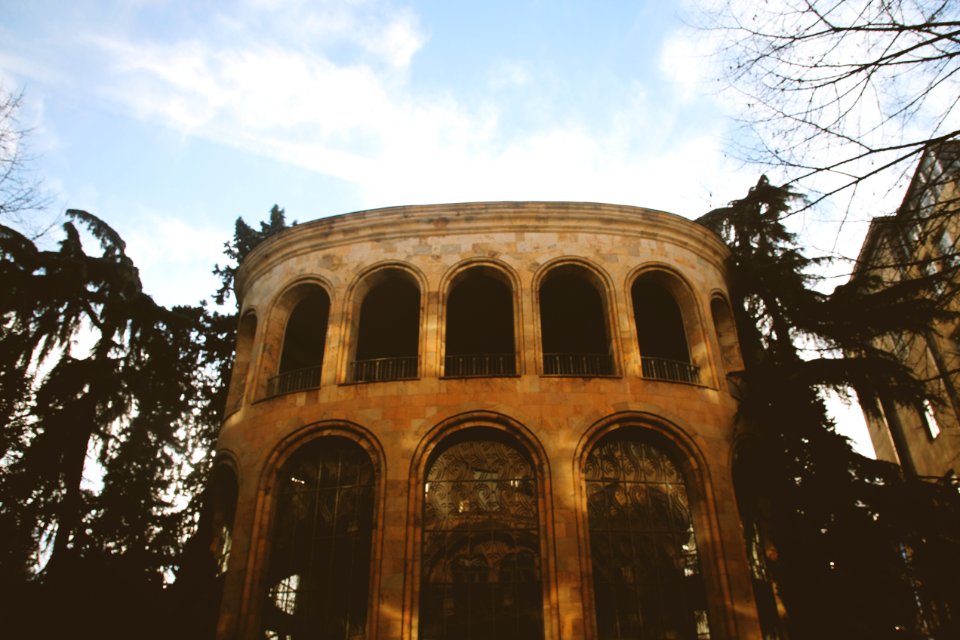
column 413, row 221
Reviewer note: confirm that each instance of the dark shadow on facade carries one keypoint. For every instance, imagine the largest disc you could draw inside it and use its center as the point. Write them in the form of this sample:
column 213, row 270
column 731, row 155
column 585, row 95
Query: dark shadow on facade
column 303, row 344
column 664, row 354
column 479, row 328
column 573, row 324
column 388, row 335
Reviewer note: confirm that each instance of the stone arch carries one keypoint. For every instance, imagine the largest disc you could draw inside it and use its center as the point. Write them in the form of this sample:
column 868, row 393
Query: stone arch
column 457, row 438
column 480, row 320
column 667, row 325
column 293, row 346
column 265, row 595
column 726, row 331
column 606, row 493
column 382, row 349
column 575, row 308
column 225, row 490
column 246, row 339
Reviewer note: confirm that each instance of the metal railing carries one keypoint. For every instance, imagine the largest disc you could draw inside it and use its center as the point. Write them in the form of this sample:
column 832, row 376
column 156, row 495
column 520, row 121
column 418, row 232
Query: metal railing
column 296, row 380
column 577, row 364
column 674, row 370
column 480, row 365
column 381, row 369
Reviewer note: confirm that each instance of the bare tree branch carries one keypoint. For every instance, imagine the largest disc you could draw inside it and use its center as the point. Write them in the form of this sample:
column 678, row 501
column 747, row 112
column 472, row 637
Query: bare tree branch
column 839, row 92
column 21, row 195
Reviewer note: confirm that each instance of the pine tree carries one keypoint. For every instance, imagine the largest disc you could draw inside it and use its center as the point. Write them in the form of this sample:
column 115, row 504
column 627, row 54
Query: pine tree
column 145, row 401
column 849, row 540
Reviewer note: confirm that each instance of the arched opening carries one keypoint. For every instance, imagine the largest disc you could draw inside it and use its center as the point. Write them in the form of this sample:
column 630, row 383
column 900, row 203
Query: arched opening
column 725, row 328
column 201, row 576
column 304, row 339
column 664, row 353
column 574, row 324
column 224, row 489
column 479, row 326
column 388, row 333
column 318, row 570
column 647, row 581
column 481, row 572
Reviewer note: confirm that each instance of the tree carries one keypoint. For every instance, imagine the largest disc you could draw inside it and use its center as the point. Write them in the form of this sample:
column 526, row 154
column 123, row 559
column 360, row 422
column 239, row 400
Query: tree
column 122, row 399
column 857, row 549
column 245, row 239
column 20, row 193
column 842, row 95
column 144, row 399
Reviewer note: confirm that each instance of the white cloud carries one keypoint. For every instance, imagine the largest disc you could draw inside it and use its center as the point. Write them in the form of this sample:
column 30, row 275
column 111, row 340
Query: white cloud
column 367, row 125
column 686, row 62
column 508, row 74
column 396, row 41
column 175, row 257
column 331, row 87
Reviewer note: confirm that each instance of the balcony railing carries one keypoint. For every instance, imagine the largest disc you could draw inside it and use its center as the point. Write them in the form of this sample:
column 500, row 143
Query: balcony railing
column 296, row 380
column 674, row 370
column 382, row 369
column 577, row 364
column 480, row 365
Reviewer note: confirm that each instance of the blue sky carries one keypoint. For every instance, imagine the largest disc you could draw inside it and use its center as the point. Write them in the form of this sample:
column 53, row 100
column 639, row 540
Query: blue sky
column 171, row 119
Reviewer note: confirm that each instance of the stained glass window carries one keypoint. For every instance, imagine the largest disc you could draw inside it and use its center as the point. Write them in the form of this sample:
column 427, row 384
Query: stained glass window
column 318, row 576
column 481, row 574
column 646, row 571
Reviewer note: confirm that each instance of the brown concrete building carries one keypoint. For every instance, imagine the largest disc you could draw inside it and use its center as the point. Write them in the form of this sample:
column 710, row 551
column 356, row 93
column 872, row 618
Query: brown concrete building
column 921, row 239
column 484, row 420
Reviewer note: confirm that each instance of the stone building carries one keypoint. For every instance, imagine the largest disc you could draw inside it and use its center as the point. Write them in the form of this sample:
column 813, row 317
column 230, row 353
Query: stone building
column 483, row 420
column 921, row 239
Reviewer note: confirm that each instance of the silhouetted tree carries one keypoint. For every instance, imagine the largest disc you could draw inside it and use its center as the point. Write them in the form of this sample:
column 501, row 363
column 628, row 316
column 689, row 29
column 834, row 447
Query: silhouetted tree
column 856, row 549
column 195, row 595
column 90, row 367
column 100, row 383
column 245, row 239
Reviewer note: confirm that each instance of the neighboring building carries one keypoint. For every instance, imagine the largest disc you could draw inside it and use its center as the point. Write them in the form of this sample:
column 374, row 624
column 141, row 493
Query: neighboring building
column 483, row 420
column 921, row 239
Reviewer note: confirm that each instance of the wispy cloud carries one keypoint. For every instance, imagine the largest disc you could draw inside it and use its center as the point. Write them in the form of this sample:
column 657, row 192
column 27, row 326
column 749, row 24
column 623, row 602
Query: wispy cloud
column 333, row 87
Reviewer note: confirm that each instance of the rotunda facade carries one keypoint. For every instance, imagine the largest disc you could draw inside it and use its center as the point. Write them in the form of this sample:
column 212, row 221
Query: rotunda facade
column 483, row 420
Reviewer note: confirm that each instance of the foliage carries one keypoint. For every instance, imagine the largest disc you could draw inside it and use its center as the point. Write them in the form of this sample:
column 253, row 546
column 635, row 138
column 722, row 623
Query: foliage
column 855, row 547
column 245, row 239
column 97, row 380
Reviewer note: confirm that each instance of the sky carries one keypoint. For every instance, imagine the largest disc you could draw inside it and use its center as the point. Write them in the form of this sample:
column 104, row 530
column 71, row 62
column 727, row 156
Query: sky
column 169, row 120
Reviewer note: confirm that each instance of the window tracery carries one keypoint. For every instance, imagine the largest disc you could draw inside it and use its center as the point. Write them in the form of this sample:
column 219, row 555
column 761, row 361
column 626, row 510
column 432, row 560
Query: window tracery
column 646, row 569
column 481, row 573
column 318, row 574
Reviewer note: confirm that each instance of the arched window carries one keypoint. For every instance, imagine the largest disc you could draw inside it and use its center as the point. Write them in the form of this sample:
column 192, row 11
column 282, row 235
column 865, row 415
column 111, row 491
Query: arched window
column 724, row 326
column 479, row 330
column 388, row 334
column 480, row 571
column 224, row 489
column 241, row 364
column 646, row 571
column 664, row 354
column 318, row 572
column 303, row 344
column 573, row 324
